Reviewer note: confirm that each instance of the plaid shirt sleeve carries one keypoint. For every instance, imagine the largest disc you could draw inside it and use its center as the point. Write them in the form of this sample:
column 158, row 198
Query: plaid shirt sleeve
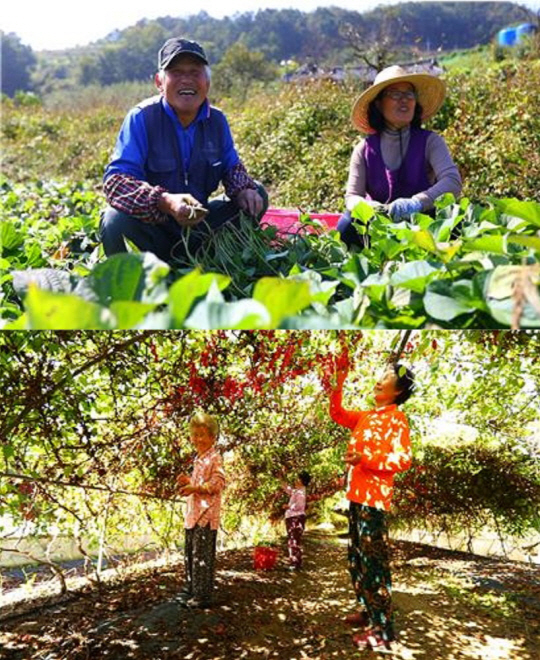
column 237, row 179
column 137, row 198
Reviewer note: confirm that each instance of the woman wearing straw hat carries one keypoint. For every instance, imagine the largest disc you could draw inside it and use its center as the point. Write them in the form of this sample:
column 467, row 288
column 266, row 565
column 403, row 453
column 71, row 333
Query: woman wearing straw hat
column 399, row 164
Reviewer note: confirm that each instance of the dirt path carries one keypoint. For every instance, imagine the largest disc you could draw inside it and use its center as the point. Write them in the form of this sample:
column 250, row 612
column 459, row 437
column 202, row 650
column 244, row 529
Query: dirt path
column 450, row 605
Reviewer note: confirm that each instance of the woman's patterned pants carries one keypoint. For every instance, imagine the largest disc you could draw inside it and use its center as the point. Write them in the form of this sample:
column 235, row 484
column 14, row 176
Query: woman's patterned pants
column 200, row 562
column 369, row 565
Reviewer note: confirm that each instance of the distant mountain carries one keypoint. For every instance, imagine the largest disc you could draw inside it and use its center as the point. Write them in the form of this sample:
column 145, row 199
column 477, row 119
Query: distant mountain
column 318, row 36
column 291, row 34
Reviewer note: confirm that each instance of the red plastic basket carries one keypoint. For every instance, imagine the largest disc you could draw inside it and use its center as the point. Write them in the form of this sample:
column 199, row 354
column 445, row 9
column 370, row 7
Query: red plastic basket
column 264, row 558
column 288, row 220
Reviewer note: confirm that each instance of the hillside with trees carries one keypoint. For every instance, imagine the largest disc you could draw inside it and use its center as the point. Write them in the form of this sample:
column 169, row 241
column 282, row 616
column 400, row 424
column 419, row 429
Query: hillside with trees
column 327, row 36
column 17, row 61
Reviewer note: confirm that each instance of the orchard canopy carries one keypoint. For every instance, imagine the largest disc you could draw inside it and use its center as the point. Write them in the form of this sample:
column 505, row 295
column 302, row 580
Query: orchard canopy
column 96, row 424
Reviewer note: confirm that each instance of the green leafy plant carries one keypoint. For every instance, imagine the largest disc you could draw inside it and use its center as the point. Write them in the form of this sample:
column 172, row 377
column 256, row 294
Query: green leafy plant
column 469, row 266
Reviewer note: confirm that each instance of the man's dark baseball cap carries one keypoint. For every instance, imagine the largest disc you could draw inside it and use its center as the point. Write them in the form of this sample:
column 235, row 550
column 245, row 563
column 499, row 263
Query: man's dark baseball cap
column 177, row 46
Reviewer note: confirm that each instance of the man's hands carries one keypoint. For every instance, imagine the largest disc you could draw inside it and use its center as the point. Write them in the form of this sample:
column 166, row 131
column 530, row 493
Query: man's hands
column 188, row 211
column 184, row 208
column 250, row 202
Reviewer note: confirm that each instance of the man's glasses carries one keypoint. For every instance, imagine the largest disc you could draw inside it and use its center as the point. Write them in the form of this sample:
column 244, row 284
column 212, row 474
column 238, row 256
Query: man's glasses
column 397, row 95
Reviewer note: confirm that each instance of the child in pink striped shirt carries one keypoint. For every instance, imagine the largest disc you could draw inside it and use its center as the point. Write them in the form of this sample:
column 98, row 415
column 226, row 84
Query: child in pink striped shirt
column 295, row 519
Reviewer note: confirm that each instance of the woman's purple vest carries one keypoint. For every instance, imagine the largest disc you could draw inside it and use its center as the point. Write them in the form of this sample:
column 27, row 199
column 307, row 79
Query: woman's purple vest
column 384, row 185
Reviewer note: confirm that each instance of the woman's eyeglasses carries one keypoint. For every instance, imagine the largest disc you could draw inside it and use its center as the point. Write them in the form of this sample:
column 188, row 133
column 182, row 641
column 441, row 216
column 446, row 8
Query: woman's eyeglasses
column 397, row 95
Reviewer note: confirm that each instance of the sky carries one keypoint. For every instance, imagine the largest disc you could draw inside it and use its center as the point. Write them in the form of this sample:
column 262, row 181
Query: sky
column 58, row 24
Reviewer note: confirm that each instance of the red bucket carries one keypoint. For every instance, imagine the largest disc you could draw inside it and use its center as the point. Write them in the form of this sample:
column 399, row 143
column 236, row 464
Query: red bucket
column 264, row 558
column 288, row 220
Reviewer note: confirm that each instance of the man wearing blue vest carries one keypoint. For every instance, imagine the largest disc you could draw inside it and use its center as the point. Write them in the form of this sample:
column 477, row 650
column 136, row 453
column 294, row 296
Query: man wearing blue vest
column 172, row 152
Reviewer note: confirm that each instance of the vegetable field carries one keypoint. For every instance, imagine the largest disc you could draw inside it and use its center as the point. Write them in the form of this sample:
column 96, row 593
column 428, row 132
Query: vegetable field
column 470, row 266
column 474, row 264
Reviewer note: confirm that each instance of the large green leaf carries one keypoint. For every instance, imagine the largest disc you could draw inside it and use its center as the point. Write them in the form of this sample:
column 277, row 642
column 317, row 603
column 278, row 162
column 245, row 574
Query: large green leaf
column 424, row 239
column 282, row 298
column 527, row 241
column 126, row 276
column 363, row 212
column 129, row 314
column 10, row 238
column 375, row 285
column 185, row 291
column 447, row 251
column 445, row 200
column 503, row 312
column 501, row 281
column 240, row 315
column 56, row 311
column 529, row 211
column 321, row 290
column 442, row 229
column 120, row 277
column 444, row 301
column 390, row 248
column 414, row 275
column 495, row 244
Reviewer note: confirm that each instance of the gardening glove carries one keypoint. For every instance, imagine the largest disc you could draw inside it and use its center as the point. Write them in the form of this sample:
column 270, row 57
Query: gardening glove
column 403, row 207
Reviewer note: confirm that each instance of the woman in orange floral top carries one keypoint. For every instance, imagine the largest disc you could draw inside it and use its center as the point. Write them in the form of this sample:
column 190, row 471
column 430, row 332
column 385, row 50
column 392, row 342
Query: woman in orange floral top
column 379, row 448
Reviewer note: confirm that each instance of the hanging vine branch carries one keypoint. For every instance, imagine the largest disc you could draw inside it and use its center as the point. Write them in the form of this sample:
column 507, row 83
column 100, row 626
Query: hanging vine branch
column 395, row 355
column 67, row 484
column 41, row 397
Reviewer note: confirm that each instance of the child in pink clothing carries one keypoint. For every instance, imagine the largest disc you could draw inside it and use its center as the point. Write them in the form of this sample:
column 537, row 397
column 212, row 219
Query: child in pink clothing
column 203, row 490
column 295, row 519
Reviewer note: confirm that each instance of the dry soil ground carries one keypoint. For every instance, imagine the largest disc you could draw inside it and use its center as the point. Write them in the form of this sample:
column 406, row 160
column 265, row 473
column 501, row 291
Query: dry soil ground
column 449, row 605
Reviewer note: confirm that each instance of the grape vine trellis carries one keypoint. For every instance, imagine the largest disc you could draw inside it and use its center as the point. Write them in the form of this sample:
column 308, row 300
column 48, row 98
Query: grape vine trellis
column 93, row 429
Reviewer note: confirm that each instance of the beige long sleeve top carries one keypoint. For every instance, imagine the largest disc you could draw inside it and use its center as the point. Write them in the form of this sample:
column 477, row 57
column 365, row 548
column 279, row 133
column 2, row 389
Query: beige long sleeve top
column 441, row 170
